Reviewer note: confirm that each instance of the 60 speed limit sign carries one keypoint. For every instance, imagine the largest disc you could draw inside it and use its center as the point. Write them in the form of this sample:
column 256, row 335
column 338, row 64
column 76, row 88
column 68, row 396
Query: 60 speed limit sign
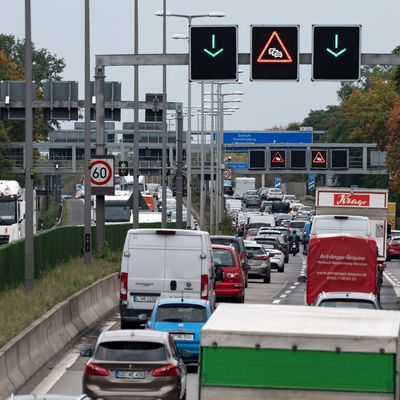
column 102, row 175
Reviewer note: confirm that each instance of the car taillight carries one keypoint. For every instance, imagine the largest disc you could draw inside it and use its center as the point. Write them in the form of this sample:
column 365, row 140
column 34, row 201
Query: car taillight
column 95, row 370
column 123, row 294
column 168, row 370
column 264, row 257
column 233, row 276
column 204, row 287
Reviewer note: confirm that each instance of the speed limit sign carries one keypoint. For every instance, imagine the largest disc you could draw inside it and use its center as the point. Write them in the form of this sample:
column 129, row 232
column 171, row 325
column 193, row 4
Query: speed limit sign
column 227, row 173
column 102, row 175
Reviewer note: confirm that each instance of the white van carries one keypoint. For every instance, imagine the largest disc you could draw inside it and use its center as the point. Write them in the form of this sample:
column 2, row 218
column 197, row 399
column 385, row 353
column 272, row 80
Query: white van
column 355, row 225
column 163, row 263
column 257, row 220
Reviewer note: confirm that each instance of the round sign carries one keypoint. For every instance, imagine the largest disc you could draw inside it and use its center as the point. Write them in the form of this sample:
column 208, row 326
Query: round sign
column 227, row 174
column 100, row 172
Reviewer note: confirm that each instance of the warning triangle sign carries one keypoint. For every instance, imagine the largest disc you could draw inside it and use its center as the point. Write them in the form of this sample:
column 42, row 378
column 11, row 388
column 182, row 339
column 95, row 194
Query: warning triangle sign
column 277, row 159
column 274, row 51
column 319, row 159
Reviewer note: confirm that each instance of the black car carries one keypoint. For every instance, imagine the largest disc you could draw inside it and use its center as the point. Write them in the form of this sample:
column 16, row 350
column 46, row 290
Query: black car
column 283, row 247
column 252, row 201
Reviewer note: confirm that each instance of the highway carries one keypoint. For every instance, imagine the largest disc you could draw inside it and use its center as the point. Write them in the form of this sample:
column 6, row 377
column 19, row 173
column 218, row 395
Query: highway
column 64, row 373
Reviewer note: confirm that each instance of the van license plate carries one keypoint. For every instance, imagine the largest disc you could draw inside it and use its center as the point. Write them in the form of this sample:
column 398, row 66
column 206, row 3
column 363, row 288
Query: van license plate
column 182, row 336
column 145, row 299
column 130, row 374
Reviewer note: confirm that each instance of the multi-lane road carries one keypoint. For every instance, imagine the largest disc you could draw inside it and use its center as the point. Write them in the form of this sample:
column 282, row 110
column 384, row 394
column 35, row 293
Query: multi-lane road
column 64, row 373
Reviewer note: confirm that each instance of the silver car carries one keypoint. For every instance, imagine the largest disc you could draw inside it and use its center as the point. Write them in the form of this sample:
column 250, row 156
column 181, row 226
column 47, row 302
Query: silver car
column 134, row 364
column 258, row 261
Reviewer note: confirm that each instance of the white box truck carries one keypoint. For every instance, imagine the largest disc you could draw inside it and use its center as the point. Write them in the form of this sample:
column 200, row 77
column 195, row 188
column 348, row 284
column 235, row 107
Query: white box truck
column 260, row 352
column 371, row 203
column 163, row 263
column 242, row 185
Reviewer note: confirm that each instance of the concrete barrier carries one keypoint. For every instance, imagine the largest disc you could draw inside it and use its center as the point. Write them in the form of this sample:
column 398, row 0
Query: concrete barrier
column 24, row 355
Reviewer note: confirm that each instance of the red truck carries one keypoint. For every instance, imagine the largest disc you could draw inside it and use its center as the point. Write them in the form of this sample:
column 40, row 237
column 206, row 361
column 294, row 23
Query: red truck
column 341, row 269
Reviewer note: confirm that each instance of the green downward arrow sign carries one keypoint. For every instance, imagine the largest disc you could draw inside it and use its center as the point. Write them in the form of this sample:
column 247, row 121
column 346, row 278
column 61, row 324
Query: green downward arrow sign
column 213, row 53
column 338, row 52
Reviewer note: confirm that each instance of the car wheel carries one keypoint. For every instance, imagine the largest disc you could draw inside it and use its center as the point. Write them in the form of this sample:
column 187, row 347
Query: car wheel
column 267, row 279
column 286, row 260
column 281, row 269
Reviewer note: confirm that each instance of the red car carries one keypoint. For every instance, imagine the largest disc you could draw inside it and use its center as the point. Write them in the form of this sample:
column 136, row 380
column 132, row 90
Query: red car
column 232, row 285
column 393, row 250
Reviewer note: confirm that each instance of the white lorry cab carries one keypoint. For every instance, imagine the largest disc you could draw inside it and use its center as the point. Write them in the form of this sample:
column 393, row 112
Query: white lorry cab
column 163, row 263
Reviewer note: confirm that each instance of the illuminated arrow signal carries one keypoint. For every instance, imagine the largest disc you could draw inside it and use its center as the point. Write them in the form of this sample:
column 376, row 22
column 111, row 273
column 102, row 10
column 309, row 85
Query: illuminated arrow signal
column 278, row 159
column 274, row 51
column 319, row 159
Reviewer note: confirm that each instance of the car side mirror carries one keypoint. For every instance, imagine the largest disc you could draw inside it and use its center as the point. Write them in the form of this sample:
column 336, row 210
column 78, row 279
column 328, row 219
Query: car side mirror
column 219, row 274
column 87, row 352
column 250, row 255
column 302, row 279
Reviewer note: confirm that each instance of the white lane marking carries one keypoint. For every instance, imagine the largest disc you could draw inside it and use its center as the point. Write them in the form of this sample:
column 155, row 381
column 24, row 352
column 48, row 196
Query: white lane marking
column 61, row 368
column 292, row 287
column 276, row 302
column 283, row 296
column 288, row 291
column 296, row 283
column 391, row 281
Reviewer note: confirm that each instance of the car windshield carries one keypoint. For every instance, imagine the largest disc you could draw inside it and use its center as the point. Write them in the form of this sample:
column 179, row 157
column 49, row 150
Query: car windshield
column 297, row 224
column 348, row 304
column 270, row 246
column 255, row 250
column 131, row 351
column 181, row 313
column 223, row 257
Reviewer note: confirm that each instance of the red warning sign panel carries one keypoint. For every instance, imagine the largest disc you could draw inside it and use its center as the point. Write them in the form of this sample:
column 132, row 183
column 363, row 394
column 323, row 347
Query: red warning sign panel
column 318, row 159
column 274, row 51
column 278, row 159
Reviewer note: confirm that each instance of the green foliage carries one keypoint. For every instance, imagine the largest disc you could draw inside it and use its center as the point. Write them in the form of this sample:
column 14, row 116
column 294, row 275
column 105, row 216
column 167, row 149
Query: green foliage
column 50, row 216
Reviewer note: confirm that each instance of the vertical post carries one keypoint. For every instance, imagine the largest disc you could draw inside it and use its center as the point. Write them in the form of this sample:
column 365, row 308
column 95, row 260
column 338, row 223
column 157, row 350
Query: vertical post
column 164, row 124
column 87, row 231
column 29, row 250
column 202, row 160
column 179, row 167
column 220, row 171
column 135, row 205
column 189, row 146
column 212, row 169
column 100, row 150
column 217, row 161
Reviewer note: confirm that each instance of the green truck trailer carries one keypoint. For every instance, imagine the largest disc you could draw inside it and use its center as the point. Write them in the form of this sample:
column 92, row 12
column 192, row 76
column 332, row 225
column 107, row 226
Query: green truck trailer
column 260, row 352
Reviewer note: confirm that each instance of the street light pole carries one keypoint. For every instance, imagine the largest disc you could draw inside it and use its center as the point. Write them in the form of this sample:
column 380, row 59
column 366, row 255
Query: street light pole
column 202, row 160
column 212, row 189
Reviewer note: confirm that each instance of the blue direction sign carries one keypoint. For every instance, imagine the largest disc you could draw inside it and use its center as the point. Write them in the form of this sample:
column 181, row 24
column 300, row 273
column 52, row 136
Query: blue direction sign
column 311, row 182
column 245, row 137
column 237, row 165
column 278, row 182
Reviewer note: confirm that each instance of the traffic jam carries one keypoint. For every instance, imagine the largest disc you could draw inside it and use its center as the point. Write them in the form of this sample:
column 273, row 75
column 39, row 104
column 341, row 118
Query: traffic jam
column 177, row 326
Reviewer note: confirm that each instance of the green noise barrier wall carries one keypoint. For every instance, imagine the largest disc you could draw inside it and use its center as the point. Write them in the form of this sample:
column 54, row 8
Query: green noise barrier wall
column 53, row 247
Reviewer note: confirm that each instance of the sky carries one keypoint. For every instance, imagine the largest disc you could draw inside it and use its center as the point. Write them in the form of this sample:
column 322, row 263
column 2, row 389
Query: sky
column 58, row 26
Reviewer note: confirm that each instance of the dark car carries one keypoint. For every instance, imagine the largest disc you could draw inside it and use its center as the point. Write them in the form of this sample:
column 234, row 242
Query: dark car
column 252, row 201
column 280, row 236
column 393, row 250
column 238, row 244
column 271, row 239
column 279, row 217
column 134, row 364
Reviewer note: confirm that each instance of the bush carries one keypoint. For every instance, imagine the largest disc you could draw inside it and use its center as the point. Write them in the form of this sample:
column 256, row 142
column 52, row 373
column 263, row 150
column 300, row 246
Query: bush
column 50, row 216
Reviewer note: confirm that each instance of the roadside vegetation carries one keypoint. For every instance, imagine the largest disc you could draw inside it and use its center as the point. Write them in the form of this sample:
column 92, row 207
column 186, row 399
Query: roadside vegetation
column 18, row 308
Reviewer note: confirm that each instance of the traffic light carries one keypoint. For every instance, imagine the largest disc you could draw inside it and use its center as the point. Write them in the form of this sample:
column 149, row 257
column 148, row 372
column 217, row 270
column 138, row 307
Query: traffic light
column 213, row 53
column 298, row 159
column 336, row 52
column 277, row 159
column 319, row 159
column 123, row 169
column 274, row 52
column 339, row 158
column 257, row 159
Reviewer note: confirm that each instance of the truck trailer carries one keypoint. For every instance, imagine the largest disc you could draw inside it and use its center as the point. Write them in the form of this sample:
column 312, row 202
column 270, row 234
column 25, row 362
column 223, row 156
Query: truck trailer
column 260, row 352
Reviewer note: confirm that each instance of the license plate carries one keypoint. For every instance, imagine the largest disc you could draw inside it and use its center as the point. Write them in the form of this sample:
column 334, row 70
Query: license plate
column 145, row 299
column 182, row 336
column 130, row 374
